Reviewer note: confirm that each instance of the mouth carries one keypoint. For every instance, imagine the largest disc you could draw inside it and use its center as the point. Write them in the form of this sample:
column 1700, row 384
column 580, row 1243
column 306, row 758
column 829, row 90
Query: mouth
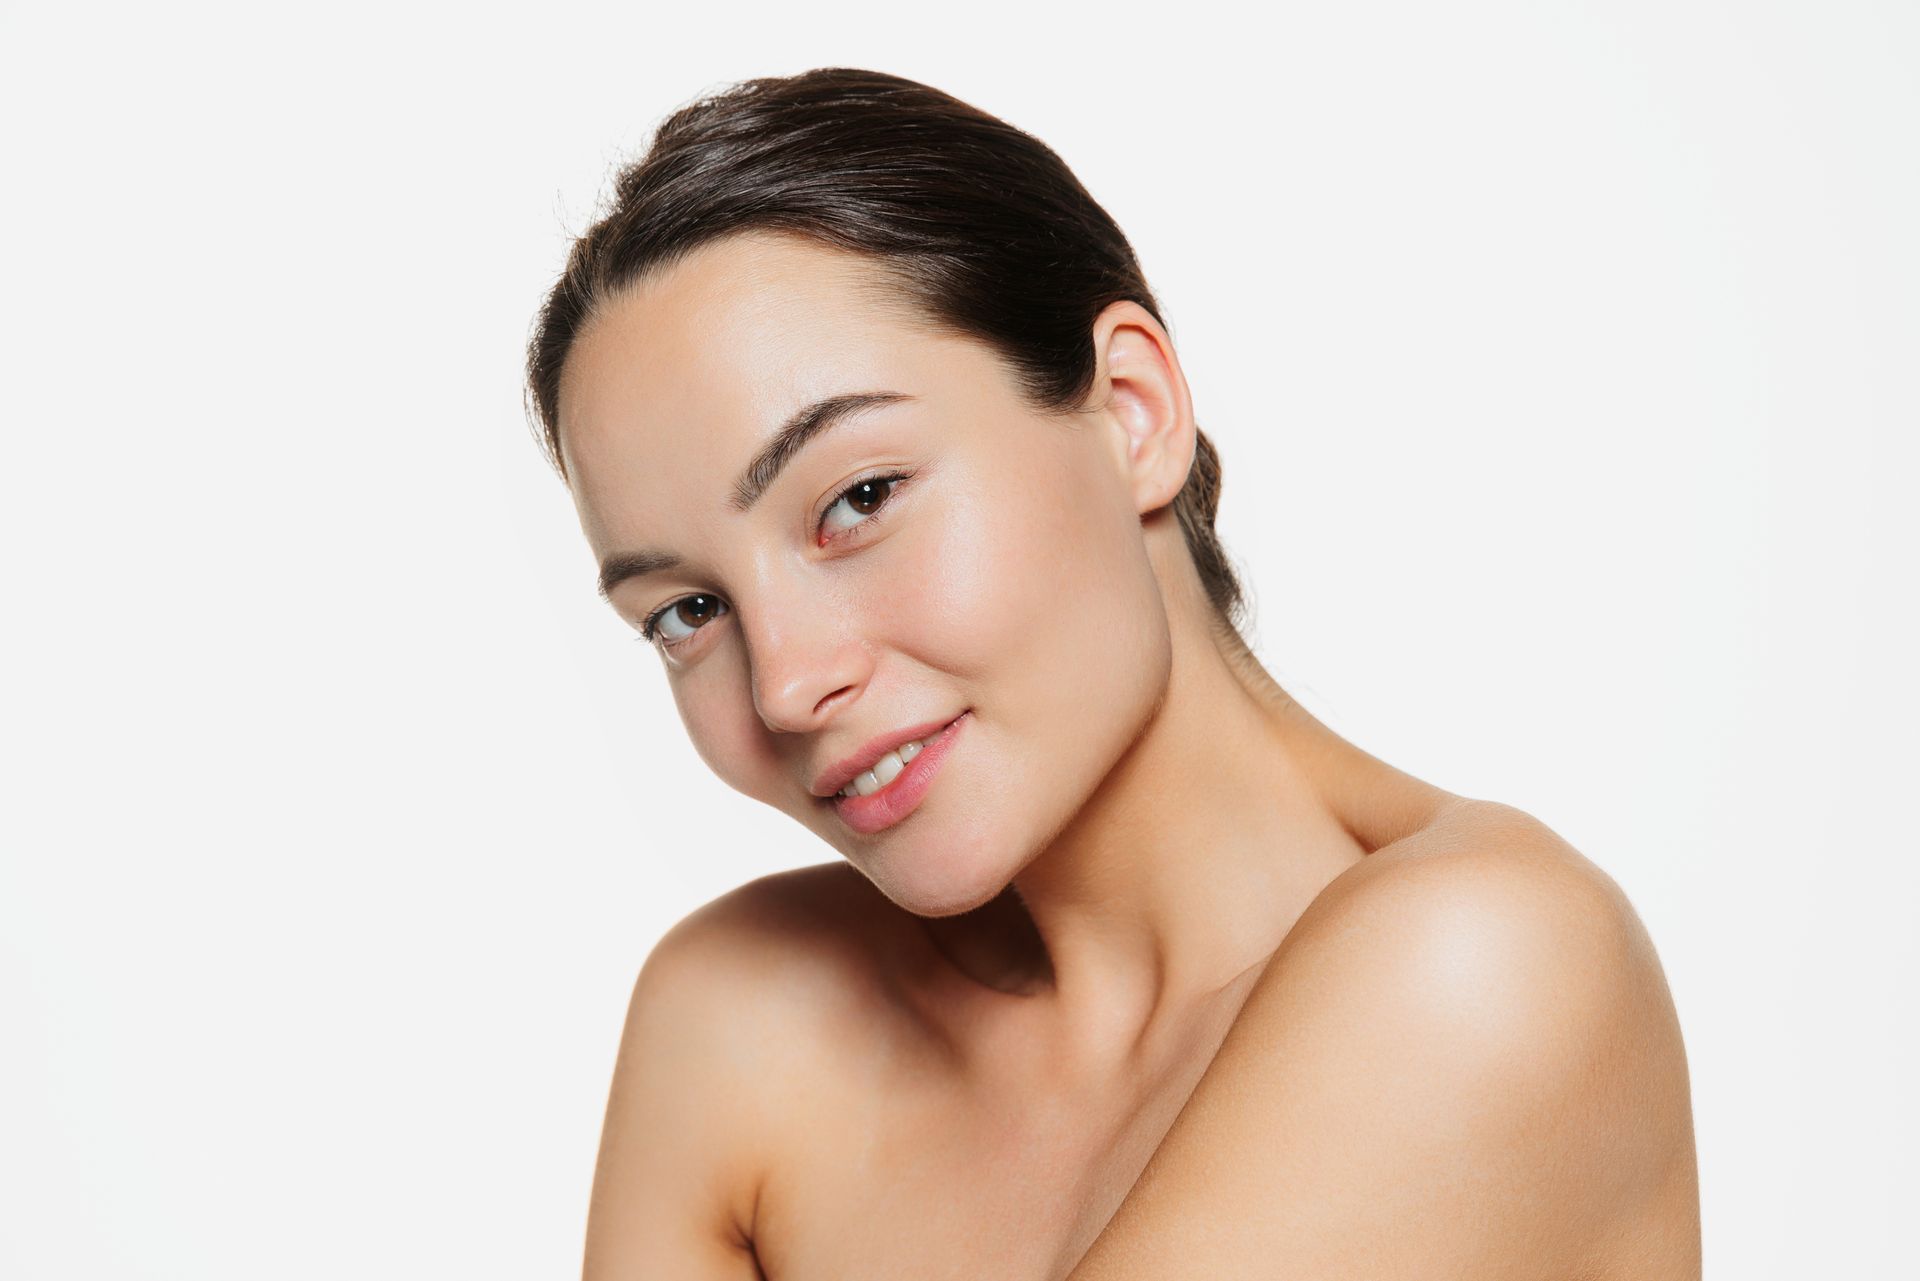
column 906, row 787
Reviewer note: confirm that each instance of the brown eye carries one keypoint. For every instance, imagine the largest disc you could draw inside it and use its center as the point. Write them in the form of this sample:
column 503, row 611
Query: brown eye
column 689, row 612
column 867, row 496
column 863, row 498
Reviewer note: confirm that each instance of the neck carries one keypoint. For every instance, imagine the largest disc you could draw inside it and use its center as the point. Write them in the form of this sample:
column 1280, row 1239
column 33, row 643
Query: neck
column 1229, row 813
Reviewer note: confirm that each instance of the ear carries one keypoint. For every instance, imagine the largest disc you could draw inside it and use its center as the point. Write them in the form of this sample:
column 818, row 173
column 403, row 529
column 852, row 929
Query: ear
column 1139, row 388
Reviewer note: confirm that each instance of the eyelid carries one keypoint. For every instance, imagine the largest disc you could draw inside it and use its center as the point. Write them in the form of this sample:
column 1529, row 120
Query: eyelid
column 898, row 476
column 647, row 624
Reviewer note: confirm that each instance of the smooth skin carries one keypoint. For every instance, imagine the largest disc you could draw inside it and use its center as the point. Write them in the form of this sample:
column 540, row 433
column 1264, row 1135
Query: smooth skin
column 1164, row 978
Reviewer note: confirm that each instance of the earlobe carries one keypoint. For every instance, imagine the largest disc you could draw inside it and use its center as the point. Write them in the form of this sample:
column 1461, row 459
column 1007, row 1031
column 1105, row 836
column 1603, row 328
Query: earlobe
column 1148, row 400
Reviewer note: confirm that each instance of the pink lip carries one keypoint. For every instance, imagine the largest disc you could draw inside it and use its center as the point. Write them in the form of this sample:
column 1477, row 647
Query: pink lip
column 870, row 814
column 852, row 767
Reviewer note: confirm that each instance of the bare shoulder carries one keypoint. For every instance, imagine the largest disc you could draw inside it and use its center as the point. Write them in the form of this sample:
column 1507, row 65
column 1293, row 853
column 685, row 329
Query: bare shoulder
column 1463, row 1061
column 764, row 974
column 1487, row 884
column 1502, row 943
column 804, row 947
column 730, row 1021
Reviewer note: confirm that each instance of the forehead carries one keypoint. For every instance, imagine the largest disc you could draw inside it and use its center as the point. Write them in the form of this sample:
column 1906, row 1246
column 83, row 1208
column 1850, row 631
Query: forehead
column 686, row 372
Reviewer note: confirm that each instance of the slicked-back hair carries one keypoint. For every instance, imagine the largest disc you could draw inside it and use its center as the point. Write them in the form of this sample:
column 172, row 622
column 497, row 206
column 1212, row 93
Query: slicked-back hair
column 977, row 227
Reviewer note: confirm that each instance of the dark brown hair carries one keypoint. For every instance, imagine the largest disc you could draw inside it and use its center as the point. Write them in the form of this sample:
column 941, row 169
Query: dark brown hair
column 979, row 227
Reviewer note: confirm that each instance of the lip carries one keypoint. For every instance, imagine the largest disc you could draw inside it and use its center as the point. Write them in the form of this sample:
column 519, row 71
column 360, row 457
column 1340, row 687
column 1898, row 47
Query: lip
column 892, row 803
column 852, row 767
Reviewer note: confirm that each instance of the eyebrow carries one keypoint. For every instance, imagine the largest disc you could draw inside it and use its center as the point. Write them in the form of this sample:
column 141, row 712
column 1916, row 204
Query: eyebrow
column 800, row 428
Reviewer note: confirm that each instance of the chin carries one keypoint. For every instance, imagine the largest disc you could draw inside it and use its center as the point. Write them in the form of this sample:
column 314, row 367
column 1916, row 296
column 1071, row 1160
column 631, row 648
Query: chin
column 955, row 880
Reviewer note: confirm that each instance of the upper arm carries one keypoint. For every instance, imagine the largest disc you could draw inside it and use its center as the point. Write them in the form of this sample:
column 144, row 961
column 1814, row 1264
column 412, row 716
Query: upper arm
column 1458, row 1067
column 673, row 1188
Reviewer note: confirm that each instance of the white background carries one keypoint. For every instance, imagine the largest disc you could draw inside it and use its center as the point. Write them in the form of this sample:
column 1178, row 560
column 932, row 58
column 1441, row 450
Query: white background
column 1563, row 361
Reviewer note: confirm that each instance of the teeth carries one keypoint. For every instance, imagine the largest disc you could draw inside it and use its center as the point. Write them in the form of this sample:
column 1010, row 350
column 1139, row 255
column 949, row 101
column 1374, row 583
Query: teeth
column 888, row 767
column 884, row 771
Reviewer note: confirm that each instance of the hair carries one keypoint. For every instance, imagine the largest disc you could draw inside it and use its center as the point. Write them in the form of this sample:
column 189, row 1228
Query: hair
column 979, row 227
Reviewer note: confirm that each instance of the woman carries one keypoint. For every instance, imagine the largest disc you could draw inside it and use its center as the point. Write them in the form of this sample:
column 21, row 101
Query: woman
column 1130, row 967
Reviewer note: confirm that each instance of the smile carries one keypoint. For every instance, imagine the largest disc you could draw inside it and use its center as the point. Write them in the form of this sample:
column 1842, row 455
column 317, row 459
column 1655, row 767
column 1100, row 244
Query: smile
column 898, row 781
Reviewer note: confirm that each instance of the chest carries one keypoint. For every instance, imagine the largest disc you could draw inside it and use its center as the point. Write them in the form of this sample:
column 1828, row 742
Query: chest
column 937, row 1179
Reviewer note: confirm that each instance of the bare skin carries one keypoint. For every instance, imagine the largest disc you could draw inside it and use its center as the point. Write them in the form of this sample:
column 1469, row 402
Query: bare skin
column 1163, row 978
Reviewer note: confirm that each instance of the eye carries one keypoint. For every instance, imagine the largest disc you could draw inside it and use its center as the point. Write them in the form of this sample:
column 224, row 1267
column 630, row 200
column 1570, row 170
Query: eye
column 863, row 498
column 690, row 612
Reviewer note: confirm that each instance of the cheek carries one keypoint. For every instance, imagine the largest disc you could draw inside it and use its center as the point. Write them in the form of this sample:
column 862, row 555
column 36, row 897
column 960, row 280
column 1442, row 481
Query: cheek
column 725, row 730
column 1037, row 592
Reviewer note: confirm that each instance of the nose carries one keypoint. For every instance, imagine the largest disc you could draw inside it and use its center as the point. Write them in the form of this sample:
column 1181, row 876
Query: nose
column 806, row 657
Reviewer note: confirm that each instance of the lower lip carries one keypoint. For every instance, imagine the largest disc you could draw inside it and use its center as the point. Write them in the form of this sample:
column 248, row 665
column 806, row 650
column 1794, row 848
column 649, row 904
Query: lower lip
column 869, row 814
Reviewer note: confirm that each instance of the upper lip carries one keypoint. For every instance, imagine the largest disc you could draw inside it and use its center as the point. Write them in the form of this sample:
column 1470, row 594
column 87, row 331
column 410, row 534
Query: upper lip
column 837, row 776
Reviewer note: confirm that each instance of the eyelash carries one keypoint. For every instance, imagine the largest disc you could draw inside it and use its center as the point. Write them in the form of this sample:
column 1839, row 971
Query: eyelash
column 648, row 626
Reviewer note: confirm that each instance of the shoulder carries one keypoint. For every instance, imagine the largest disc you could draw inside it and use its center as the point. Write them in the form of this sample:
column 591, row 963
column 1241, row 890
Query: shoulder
column 1465, row 1044
column 806, row 944
column 1494, row 941
column 1486, row 987
column 1490, row 903
column 766, row 969
column 727, row 1029
column 1497, row 987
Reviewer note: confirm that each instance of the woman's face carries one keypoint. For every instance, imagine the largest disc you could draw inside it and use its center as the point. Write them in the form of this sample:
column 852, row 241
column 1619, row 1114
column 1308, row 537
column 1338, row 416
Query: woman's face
column 1004, row 574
